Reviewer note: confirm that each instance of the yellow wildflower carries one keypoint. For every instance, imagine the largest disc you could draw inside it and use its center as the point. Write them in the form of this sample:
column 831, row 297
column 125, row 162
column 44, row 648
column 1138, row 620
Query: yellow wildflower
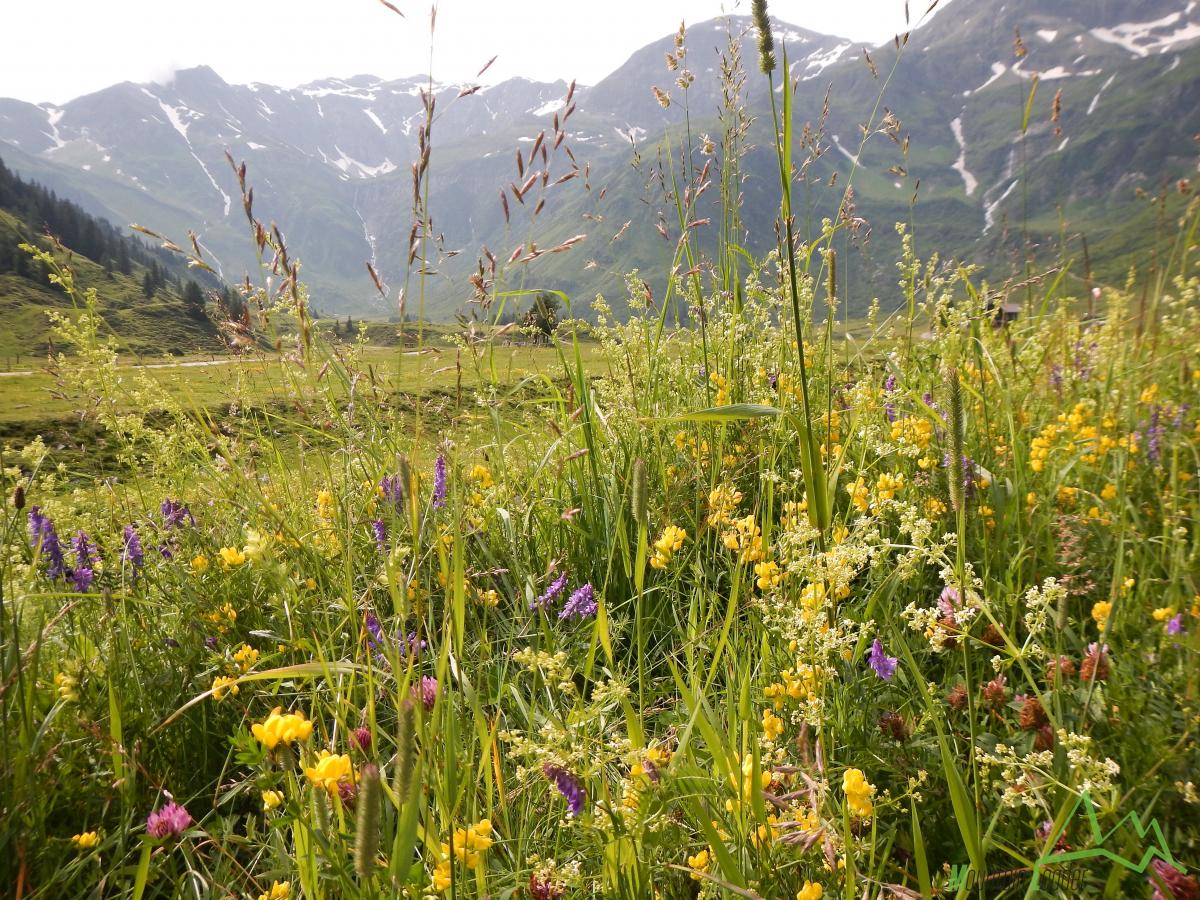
column 768, row 575
column 699, row 863
column 67, row 687
column 667, row 545
column 482, row 475
column 199, row 563
column 1163, row 613
column 272, row 799
column 1100, row 613
column 859, row 495
column 281, row 728
column 441, row 875
column 279, row 891
column 325, row 504
column 470, row 843
column 858, row 792
column 772, row 725
column 1109, row 492
column 256, row 545
column 246, row 657
column 810, row 891
column 85, row 840
column 223, row 684
column 232, row 556
column 722, row 501
column 744, row 789
column 331, row 769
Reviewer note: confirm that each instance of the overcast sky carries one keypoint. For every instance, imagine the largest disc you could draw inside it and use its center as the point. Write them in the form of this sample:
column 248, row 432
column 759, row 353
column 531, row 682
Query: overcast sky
column 54, row 50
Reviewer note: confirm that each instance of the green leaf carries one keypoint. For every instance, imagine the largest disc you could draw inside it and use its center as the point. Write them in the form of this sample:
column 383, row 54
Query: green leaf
column 735, row 412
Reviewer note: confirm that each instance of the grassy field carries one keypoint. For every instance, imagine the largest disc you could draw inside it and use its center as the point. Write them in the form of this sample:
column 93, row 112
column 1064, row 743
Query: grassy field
column 753, row 609
column 203, row 382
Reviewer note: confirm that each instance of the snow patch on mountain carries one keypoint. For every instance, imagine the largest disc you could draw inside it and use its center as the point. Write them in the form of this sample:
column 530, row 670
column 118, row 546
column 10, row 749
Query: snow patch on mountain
column 970, row 182
column 546, row 109
column 1056, row 72
column 853, row 157
column 989, row 211
column 349, row 165
column 1096, row 100
column 174, row 115
column 998, row 69
column 1144, row 38
column 374, row 118
column 176, row 120
column 818, row 62
column 53, row 117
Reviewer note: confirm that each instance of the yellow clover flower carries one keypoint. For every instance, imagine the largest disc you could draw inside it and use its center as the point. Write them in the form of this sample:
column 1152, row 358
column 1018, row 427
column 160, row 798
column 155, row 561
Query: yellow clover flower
column 272, row 799
column 331, row 770
column 280, row 728
column 858, row 792
column 85, row 840
column 280, row 890
column 223, row 684
column 698, row 863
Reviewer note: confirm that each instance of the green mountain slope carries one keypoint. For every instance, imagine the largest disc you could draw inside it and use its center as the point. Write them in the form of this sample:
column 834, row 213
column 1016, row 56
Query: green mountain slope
column 149, row 301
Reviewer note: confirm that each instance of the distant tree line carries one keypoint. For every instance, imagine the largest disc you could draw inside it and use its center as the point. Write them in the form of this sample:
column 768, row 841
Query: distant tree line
column 44, row 211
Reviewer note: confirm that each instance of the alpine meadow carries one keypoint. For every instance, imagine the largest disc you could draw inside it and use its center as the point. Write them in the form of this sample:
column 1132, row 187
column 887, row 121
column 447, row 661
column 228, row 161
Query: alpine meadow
column 770, row 472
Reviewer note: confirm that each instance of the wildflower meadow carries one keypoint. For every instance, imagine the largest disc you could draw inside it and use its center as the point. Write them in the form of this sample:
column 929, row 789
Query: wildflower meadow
column 764, row 606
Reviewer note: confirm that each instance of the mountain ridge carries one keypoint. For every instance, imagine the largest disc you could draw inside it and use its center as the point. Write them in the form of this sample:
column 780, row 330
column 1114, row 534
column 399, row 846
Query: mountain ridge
column 330, row 160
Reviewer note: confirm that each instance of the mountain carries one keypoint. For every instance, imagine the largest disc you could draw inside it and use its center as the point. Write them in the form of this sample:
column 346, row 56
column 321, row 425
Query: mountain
column 330, row 161
column 147, row 296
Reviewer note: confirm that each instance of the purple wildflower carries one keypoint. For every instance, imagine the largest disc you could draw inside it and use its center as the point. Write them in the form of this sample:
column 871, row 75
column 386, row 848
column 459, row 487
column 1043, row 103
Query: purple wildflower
column 412, row 646
column 211, row 642
column 393, row 490
column 81, row 578
column 1155, row 435
column 376, row 640
column 86, row 553
column 375, row 629
column 581, row 604
column 553, row 591
column 1181, row 412
column 439, row 483
column 86, row 556
column 883, row 665
column 889, row 408
column 425, row 691
column 927, row 399
column 1056, row 378
column 568, row 785
column 169, row 821
column 132, row 553
column 968, row 473
column 46, row 543
column 1175, row 624
column 380, row 531
column 175, row 514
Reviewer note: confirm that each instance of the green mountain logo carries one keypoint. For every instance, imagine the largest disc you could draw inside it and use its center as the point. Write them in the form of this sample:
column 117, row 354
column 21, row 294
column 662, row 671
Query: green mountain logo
column 1155, row 847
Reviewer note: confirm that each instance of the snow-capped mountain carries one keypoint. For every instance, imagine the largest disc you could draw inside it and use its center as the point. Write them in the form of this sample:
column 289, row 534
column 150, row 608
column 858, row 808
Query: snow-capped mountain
column 331, row 161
